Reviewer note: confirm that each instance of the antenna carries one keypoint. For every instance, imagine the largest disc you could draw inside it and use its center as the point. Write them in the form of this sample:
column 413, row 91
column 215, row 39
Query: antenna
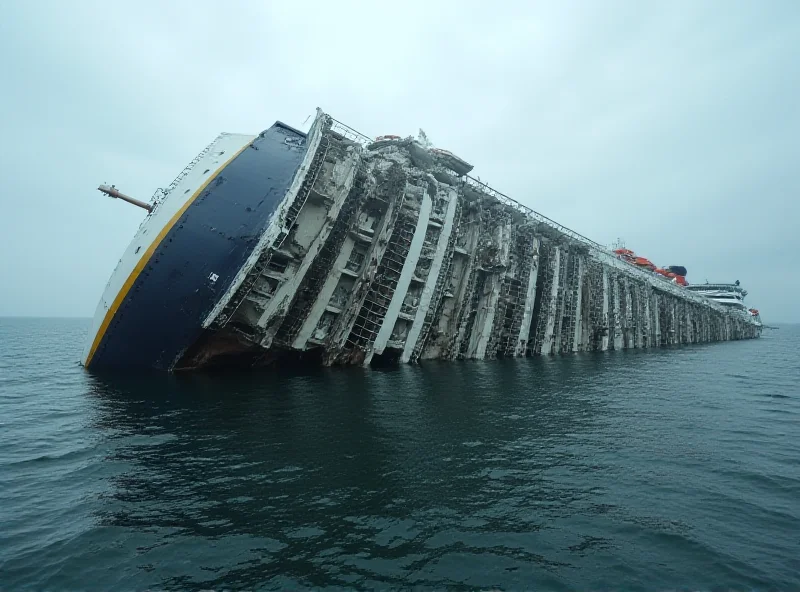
column 116, row 194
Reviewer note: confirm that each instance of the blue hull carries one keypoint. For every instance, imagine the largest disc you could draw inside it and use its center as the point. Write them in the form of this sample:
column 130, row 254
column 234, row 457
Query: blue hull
column 162, row 313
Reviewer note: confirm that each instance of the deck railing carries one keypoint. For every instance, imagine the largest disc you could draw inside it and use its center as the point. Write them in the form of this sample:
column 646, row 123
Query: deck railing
column 599, row 251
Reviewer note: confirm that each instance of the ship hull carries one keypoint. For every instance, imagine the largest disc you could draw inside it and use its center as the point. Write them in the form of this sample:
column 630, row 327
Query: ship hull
column 330, row 248
column 154, row 305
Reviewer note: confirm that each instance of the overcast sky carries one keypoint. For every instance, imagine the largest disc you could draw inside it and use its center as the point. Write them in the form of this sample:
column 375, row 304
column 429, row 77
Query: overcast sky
column 672, row 125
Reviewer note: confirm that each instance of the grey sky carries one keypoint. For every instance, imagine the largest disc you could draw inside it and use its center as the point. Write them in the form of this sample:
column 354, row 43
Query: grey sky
column 675, row 126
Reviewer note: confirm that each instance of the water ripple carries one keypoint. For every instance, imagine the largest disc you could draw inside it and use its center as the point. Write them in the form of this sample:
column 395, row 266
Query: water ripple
column 663, row 469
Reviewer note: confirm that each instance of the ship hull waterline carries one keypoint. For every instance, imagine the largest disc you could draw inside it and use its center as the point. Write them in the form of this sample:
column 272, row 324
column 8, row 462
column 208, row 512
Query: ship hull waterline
column 330, row 248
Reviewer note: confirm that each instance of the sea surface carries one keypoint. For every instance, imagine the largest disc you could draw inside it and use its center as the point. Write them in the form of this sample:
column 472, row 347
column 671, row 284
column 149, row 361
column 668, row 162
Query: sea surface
column 674, row 469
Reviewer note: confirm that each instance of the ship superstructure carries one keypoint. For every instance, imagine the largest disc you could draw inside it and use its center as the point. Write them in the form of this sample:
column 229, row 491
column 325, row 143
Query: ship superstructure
column 730, row 295
column 335, row 248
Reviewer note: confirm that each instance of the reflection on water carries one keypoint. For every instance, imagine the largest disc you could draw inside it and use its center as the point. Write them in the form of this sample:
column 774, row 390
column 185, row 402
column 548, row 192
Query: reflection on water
column 633, row 470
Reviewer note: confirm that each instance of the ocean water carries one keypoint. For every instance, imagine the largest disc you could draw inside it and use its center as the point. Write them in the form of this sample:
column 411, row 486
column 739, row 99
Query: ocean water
column 669, row 469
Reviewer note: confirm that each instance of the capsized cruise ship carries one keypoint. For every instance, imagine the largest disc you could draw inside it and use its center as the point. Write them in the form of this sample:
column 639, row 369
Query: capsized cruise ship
column 333, row 248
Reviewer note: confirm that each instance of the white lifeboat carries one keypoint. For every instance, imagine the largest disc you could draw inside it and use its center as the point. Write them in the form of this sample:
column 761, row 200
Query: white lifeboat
column 451, row 161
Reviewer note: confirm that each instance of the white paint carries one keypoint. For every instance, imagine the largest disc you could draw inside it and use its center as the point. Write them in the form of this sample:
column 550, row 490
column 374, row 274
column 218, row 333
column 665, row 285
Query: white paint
column 220, row 151
column 617, row 320
column 658, row 321
column 433, row 276
column 604, row 343
column 462, row 295
column 674, row 327
column 636, row 323
column 393, row 310
column 547, row 342
column 276, row 225
column 628, row 311
column 576, row 342
column 647, row 321
column 324, row 297
column 283, row 296
column 488, row 302
column 530, row 300
column 503, row 241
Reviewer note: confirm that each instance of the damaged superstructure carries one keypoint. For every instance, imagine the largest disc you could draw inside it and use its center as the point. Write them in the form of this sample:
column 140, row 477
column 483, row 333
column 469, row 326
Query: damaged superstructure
column 387, row 251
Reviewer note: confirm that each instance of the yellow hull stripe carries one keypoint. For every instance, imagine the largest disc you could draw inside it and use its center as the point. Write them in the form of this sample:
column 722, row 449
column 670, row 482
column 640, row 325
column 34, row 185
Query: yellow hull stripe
column 145, row 259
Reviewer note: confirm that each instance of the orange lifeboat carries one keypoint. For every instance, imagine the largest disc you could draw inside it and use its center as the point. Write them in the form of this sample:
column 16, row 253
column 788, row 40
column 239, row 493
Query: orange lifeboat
column 644, row 262
column 625, row 254
column 754, row 312
column 681, row 280
column 385, row 138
